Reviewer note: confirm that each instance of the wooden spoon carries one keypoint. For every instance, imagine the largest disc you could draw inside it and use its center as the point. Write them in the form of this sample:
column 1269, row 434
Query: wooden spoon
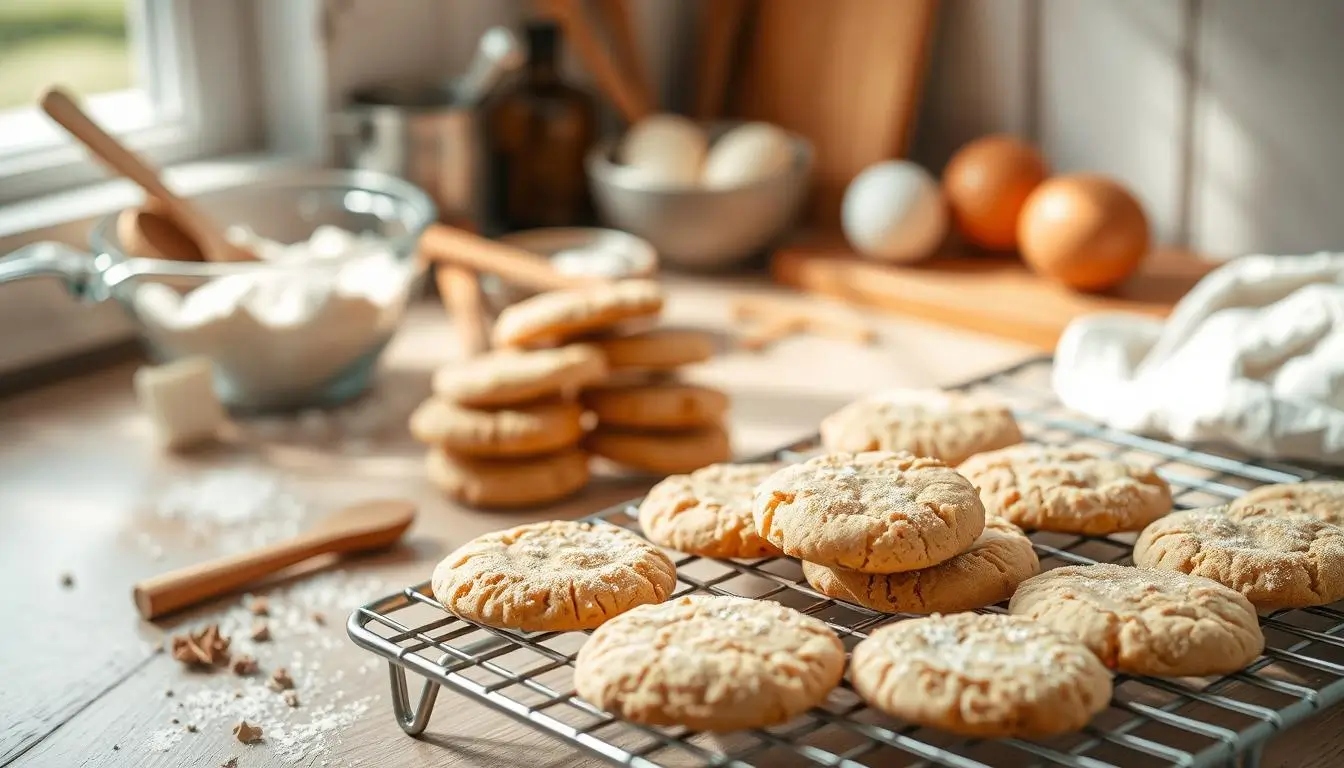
column 362, row 527
column 194, row 224
column 150, row 233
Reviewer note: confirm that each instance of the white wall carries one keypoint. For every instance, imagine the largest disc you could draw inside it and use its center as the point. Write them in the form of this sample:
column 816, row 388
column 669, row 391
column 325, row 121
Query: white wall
column 1221, row 115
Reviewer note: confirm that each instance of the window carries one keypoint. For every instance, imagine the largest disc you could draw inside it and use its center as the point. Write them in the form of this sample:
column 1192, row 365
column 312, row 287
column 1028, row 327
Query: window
column 172, row 78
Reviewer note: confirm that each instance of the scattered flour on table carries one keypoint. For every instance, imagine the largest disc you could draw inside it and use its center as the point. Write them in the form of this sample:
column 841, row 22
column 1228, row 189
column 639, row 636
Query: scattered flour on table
column 216, row 702
column 235, row 508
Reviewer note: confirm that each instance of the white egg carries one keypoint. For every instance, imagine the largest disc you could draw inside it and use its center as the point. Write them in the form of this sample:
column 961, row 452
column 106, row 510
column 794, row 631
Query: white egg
column 665, row 150
column 746, row 154
column 894, row 211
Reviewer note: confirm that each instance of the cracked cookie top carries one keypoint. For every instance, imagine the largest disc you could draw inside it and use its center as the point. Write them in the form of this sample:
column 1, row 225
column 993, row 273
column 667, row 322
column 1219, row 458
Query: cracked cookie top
column 873, row 512
column 1067, row 490
column 981, row 675
column 987, row 573
column 1319, row 498
column 949, row 426
column 555, row 575
column 710, row 663
column 1146, row 622
column 1275, row 559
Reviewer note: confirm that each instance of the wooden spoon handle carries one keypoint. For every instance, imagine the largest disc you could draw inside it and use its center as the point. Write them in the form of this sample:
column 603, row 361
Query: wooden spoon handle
column 460, row 290
column 632, row 104
column 170, row 591
column 619, row 20
column 448, row 245
column 60, row 107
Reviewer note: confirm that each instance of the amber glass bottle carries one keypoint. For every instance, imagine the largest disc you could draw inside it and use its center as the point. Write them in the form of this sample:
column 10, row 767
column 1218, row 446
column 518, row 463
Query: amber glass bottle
column 537, row 133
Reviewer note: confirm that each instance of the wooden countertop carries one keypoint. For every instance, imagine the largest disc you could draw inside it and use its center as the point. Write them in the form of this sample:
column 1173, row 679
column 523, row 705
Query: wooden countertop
column 86, row 493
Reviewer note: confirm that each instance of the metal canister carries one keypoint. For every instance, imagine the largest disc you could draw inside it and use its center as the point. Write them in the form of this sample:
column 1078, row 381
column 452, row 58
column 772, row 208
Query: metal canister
column 421, row 133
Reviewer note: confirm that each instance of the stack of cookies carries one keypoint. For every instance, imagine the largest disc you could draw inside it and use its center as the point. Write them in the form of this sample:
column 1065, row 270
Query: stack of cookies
column 650, row 419
column 510, row 428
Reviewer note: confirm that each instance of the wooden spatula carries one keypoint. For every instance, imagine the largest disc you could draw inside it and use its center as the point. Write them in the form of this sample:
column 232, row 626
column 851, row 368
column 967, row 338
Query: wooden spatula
column 208, row 236
column 362, row 527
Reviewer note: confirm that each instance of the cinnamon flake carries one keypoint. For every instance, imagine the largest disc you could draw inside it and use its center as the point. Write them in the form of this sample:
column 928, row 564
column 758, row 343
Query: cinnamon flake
column 280, row 680
column 319, row 618
column 291, row 697
column 246, row 732
column 261, row 632
column 205, row 648
column 260, row 606
column 232, row 762
column 244, row 665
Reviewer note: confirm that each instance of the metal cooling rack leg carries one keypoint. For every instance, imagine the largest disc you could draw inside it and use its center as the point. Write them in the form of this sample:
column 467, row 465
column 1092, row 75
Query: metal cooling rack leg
column 412, row 722
column 1251, row 757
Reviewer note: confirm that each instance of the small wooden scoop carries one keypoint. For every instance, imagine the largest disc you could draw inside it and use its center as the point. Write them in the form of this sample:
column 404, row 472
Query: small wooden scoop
column 371, row 525
column 194, row 224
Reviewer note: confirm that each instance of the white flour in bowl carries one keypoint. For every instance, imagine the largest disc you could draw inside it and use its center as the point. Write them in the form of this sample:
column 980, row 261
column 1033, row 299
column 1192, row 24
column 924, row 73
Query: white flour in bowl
column 291, row 326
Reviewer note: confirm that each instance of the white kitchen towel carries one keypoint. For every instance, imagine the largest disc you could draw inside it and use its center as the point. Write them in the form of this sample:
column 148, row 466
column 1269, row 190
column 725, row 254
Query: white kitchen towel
column 1253, row 357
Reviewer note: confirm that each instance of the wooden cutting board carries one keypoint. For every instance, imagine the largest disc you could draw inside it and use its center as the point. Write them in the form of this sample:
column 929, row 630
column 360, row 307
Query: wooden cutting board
column 992, row 294
column 847, row 74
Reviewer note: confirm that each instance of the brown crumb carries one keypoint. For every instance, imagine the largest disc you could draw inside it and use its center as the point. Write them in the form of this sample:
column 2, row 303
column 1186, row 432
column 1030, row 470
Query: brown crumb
column 280, row 680
column 116, row 747
column 205, row 648
column 189, row 728
column 237, row 694
column 232, row 762
column 291, row 697
column 246, row 732
column 259, row 606
column 261, row 632
column 244, row 665
column 67, row 580
column 319, row 618
column 168, row 693
column 175, row 721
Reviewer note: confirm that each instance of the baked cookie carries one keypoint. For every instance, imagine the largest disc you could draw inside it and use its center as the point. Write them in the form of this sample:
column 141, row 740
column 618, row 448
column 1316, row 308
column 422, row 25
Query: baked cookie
column 1277, row 560
column 1146, row 622
column 981, row 675
column 949, row 426
column 661, row 453
column 659, row 349
column 987, row 573
column 508, row 483
column 552, row 576
column 524, row 430
column 708, row 512
column 710, row 664
column 553, row 317
column 509, row 377
column 1321, row 498
column 657, row 405
column 1066, row 490
column 874, row 512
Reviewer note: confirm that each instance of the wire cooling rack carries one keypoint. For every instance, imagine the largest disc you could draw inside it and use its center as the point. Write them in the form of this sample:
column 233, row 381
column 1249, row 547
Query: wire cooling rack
column 1183, row 722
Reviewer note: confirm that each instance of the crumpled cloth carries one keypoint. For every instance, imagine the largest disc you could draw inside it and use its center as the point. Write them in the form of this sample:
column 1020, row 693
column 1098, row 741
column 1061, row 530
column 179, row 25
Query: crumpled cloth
column 1252, row 357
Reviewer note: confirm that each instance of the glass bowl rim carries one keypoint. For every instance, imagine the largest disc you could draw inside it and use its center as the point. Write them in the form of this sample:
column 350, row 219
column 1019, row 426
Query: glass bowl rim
column 103, row 235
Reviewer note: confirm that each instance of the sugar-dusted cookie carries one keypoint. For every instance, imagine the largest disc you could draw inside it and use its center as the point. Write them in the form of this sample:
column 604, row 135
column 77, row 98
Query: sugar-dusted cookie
column 1277, row 560
column 508, row 483
column 656, row 405
column 524, row 430
column 949, row 426
column 1146, row 622
column 981, row 675
column 552, row 576
column 710, row 664
column 708, row 512
column 659, row 349
column 1067, row 490
column 661, row 453
column 509, row 376
column 1320, row 498
column 874, row 512
column 987, row 573
column 553, row 317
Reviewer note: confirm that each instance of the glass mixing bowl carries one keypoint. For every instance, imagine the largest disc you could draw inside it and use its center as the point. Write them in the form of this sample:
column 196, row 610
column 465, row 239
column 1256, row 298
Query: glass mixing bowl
column 315, row 355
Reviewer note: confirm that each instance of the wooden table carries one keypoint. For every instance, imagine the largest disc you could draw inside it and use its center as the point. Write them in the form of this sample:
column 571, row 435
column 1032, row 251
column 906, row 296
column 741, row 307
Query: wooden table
column 86, row 493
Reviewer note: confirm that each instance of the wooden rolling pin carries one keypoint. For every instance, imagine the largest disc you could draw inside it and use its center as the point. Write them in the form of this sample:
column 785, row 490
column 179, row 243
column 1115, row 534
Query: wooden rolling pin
column 443, row 244
column 362, row 527
column 460, row 290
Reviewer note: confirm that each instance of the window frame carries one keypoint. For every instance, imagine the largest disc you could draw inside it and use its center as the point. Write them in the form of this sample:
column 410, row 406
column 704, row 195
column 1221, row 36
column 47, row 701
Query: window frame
column 183, row 51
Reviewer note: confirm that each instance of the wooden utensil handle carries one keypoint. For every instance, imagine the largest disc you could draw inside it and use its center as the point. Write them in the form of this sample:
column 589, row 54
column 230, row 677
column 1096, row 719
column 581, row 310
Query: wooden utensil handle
column 460, row 290
column 168, row 592
column 632, row 105
column 619, row 21
column 448, row 245
column 60, row 107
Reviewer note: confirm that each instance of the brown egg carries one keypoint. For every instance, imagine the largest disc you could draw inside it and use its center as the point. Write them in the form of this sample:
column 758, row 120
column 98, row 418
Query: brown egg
column 1084, row 230
column 986, row 183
